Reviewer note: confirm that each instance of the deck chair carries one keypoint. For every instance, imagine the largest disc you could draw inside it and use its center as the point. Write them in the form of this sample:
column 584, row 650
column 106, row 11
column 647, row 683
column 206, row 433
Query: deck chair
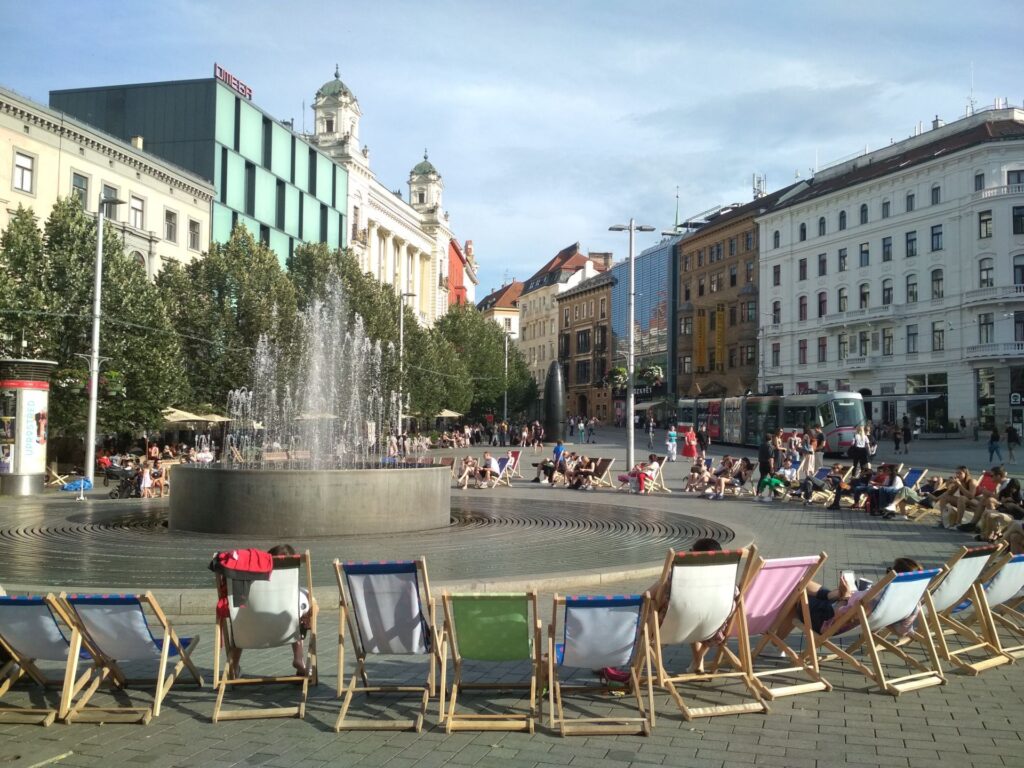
column 388, row 610
column 31, row 631
column 949, row 592
column 603, row 473
column 265, row 614
column 703, row 602
column 774, row 588
column 55, row 478
column 895, row 597
column 115, row 629
column 506, row 467
column 657, row 483
column 516, row 454
column 600, row 632
column 995, row 605
column 491, row 628
column 914, row 477
column 449, row 461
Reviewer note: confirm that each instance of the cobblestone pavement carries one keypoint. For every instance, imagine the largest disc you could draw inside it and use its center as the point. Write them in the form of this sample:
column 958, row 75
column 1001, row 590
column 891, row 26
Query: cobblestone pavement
column 969, row 721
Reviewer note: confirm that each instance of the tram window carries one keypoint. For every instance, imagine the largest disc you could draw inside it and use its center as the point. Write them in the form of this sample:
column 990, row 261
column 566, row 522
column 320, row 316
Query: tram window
column 825, row 414
column 798, row 417
column 849, row 413
column 685, row 414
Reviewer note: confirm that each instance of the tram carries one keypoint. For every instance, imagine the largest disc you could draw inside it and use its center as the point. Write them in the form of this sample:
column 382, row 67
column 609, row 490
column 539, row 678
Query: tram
column 744, row 420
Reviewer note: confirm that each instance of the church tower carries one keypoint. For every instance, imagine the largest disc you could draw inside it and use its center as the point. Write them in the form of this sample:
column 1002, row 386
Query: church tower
column 336, row 120
column 425, row 187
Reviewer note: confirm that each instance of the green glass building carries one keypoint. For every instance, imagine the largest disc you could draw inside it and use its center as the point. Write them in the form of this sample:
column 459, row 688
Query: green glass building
column 267, row 177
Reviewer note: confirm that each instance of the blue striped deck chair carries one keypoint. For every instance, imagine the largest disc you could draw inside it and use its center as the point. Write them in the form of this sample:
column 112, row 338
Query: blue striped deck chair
column 115, row 629
column 32, row 630
column 388, row 611
column 892, row 600
column 991, row 607
column 600, row 632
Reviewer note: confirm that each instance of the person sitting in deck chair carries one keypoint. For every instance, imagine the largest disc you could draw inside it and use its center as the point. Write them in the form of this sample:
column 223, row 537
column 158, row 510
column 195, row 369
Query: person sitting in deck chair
column 487, row 470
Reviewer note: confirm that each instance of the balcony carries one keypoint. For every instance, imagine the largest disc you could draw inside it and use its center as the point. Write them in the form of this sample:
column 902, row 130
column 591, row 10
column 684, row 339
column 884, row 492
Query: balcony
column 862, row 363
column 858, row 316
column 1006, row 189
column 994, row 294
column 995, row 351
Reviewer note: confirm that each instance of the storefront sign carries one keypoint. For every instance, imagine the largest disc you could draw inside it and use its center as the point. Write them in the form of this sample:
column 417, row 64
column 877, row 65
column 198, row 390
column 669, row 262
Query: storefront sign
column 1015, row 398
column 232, row 82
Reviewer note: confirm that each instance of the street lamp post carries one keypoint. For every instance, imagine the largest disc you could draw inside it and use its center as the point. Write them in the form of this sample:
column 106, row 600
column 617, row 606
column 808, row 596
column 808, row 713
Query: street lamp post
column 401, row 358
column 632, row 228
column 94, row 355
column 504, row 412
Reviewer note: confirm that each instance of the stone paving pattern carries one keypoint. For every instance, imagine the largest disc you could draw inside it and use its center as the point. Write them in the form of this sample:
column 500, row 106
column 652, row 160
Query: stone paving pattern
column 970, row 721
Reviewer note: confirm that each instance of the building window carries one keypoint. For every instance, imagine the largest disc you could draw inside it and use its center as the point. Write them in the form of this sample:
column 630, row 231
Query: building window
column 822, row 303
column 687, row 364
column 802, row 308
column 1014, row 178
column 686, row 263
column 24, row 172
column 821, row 226
column 565, row 317
column 984, row 224
column 732, row 276
column 700, row 285
column 777, row 275
column 841, row 300
column 887, row 342
column 979, row 182
column 776, row 239
column 843, row 346
column 911, row 289
column 822, row 349
column 687, row 329
column 802, row 269
column 715, row 282
column 822, row 264
column 604, row 309
column 864, row 295
column 582, row 372
column 749, row 272
column 686, row 291
column 732, row 246
column 775, row 354
column 170, row 226
column 700, row 257
column 803, row 232
column 136, row 212
column 575, row 311
column 842, row 260
column 886, row 249
column 911, row 244
column 508, row 323
column 937, row 287
column 887, row 292
column 938, row 336
column 732, row 357
column 776, row 312
column 863, row 213
column 986, row 328
column 910, row 202
column 751, row 312
column 80, row 189
column 842, row 220
column 193, row 235
column 911, row 339
column 865, row 254
column 801, row 352
column 1018, row 219
column 863, row 340
column 748, row 241
column 937, row 237
column 886, row 208
column 582, row 341
column 936, row 194
column 732, row 314
column 986, row 273
column 712, row 360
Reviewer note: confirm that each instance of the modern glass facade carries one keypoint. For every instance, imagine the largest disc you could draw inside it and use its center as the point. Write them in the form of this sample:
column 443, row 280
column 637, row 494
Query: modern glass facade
column 268, row 178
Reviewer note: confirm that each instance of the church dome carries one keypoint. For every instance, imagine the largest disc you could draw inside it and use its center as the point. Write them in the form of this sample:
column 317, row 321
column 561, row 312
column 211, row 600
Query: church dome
column 424, row 167
column 335, row 87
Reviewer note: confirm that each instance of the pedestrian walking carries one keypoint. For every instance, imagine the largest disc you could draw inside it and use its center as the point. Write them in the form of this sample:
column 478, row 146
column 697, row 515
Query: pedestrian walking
column 1012, row 441
column 703, row 441
column 670, row 442
column 897, row 437
column 908, row 433
column 650, row 433
column 993, row 444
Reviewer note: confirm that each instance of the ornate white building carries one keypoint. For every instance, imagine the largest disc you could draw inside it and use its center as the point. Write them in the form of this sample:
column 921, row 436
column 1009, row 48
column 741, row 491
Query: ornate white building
column 402, row 243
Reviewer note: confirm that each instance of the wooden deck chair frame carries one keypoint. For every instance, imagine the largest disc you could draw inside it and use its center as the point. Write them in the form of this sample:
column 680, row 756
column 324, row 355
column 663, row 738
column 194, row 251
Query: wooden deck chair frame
column 742, row 561
column 657, row 483
column 55, row 478
column 976, row 563
column 348, row 608
column 768, row 628
column 449, row 461
column 507, row 472
column 223, row 642
column 75, row 700
column 603, row 473
column 637, row 661
column 874, row 640
column 22, row 665
column 517, row 454
column 510, row 721
column 827, row 495
column 995, row 610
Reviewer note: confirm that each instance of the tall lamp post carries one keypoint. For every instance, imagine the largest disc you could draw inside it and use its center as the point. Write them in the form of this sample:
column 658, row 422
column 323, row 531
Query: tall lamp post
column 401, row 358
column 632, row 228
column 504, row 412
column 94, row 355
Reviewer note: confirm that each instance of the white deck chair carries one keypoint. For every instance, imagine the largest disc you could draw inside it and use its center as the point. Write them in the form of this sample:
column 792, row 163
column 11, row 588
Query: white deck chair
column 703, row 601
column 776, row 588
column 949, row 591
column 266, row 614
column 30, row 632
column 600, row 632
column 895, row 598
column 993, row 605
column 115, row 629
column 388, row 610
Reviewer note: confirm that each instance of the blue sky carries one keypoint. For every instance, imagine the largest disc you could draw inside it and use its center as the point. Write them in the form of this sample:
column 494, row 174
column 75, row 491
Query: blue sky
column 549, row 121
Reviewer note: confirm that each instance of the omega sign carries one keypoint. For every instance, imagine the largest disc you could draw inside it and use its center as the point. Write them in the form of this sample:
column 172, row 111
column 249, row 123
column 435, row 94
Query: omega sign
column 232, row 82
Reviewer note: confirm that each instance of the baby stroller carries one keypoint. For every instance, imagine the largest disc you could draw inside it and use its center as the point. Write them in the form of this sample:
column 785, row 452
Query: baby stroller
column 127, row 483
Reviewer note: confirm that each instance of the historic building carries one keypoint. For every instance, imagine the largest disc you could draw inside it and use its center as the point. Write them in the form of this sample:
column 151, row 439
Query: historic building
column 48, row 155
column 900, row 274
column 502, row 306
column 404, row 243
column 584, row 346
column 281, row 187
column 538, row 304
column 462, row 279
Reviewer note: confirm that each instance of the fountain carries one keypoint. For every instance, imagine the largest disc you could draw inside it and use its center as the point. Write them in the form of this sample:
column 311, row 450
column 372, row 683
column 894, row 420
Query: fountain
column 307, row 453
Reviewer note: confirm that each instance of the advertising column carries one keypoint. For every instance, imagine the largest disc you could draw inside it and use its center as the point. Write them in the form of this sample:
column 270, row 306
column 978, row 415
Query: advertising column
column 24, row 425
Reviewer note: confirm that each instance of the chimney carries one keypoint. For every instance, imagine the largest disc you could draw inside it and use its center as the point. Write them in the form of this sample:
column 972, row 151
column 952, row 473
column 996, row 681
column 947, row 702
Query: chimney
column 937, row 123
column 468, row 250
column 601, row 258
column 136, row 141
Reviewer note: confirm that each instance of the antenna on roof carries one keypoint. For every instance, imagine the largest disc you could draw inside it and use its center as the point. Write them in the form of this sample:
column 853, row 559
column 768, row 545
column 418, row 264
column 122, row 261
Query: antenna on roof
column 971, row 103
column 676, row 225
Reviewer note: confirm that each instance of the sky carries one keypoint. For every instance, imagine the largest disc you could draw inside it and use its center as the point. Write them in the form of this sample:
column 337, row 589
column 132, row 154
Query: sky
column 551, row 121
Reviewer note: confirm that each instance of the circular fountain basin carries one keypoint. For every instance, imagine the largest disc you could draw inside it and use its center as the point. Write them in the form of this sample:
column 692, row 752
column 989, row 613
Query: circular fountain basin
column 292, row 503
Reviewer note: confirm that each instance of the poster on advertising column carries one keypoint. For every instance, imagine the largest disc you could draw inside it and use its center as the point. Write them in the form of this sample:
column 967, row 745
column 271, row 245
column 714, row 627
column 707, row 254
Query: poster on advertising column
column 8, row 430
column 32, row 430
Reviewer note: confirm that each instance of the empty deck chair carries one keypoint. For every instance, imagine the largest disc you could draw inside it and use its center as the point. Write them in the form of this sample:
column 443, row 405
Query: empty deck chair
column 266, row 614
column 492, row 628
column 516, row 454
column 114, row 629
column 30, row 632
column 603, row 473
column 773, row 591
column 387, row 609
column 947, row 593
column 599, row 632
column 994, row 606
column 703, row 602
column 895, row 599
column 449, row 461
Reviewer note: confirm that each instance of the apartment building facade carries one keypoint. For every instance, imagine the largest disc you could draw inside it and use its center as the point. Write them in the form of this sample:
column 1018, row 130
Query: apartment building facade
column 584, row 346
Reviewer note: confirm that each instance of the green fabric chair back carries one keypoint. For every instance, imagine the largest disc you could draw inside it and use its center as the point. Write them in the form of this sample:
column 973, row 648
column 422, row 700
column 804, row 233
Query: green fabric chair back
column 492, row 627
